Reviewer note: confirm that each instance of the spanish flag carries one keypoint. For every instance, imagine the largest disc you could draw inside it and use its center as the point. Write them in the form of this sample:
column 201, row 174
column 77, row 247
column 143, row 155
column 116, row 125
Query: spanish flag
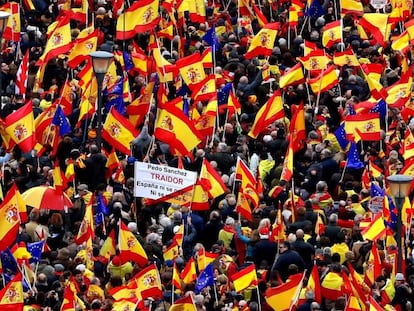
column 267, row 114
column 165, row 69
column 377, row 25
column 298, row 129
column 407, row 149
column 287, row 171
column 283, row 297
column 243, row 206
column 148, row 282
column 197, row 10
column 174, row 128
column 108, row 248
column 176, row 281
column 263, row 41
column 292, row 77
column 86, row 229
column 261, row 18
column 199, row 199
column 191, row 69
column 184, row 304
column 11, row 296
column 205, row 89
column 244, row 278
column 83, row 47
column 189, row 274
column 12, row 30
column 129, row 247
column 315, row 60
column 375, row 230
column 409, row 26
column 9, row 220
column 118, row 131
column 332, row 33
column 325, row 81
column 140, row 17
column 166, row 32
column 399, row 94
column 364, row 126
column 211, row 180
column 401, row 43
column 171, row 253
column 352, row 7
column 20, row 126
column 59, row 42
column 346, row 57
column 204, row 258
column 373, row 269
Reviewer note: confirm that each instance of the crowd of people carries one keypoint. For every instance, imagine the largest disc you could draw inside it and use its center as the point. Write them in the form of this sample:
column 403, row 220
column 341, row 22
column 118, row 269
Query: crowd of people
column 323, row 189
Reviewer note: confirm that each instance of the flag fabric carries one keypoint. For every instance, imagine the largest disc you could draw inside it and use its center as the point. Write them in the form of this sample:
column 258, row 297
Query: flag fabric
column 315, row 9
column 85, row 43
column 292, row 77
column 282, row 297
column 173, row 127
column 140, row 17
column 205, row 89
column 12, row 30
column 176, row 281
column 287, row 170
column 211, row 39
column 263, row 42
column 171, row 252
column 211, row 180
column 352, row 7
column 340, row 135
column 407, row 150
column 148, row 282
column 165, row 70
column 86, row 228
column 20, row 127
column 332, row 33
column 204, row 258
column 244, row 278
column 59, row 42
column 108, row 248
column 189, row 274
column 70, row 171
column 298, row 129
column 183, row 304
column 129, row 247
column 314, row 282
column 9, row 220
column 271, row 111
column 167, row 31
column 191, row 69
column 61, row 122
column 373, row 269
column 35, row 249
column 325, row 81
column 363, row 126
column 375, row 230
column 22, row 75
column 243, row 206
column 315, row 60
column 345, row 58
column 118, row 131
column 8, row 262
column 401, row 43
column 15, row 194
column 206, row 278
column 11, row 296
column 261, row 18
column 354, row 162
column 376, row 24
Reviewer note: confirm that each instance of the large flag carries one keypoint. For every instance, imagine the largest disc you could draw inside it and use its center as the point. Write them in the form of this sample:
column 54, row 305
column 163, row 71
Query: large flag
column 375, row 230
column 364, row 126
column 325, row 81
column 206, row 278
column 59, row 42
column 191, row 69
column 22, row 75
column 284, row 296
column 377, row 25
column 11, row 296
column 12, row 30
column 292, row 77
column 332, row 33
column 118, row 131
column 86, row 229
column 287, row 171
column 211, row 180
column 129, row 247
column 140, row 17
column 407, row 150
column 267, row 114
column 20, row 126
column 174, row 128
column 83, row 47
column 148, row 282
column 314, row 282
column 108, row 248
column 331, row 286
column 244, row 278
column 263, row 41
column 346, row 57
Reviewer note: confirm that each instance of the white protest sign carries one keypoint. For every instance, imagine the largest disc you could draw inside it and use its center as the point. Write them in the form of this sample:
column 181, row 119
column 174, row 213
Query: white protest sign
column 378, row 4
column 154, row 181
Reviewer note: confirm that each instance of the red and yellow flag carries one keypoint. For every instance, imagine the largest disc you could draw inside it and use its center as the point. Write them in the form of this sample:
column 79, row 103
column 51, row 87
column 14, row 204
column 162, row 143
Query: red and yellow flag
column 12, row 30
column 325, row 81
column 375, row 230
column 118, row 131
column 346, row 57
column 189, row 274
column 263, row 41
column 140, row 17
column 20, row 126
column 211, row 180
column 184, row 304
column 191, row 69
column 83, row 47
column 352, row 7
column 332, row 33
column 129, row 247
column 173, row 127
column 86, row 229
column 11, row 296
column 244, row 278
column 292, row 77
column 284, row 296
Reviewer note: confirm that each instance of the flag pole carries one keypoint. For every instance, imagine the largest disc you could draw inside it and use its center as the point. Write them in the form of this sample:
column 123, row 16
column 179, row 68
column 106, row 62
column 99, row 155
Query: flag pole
column 258, row 298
